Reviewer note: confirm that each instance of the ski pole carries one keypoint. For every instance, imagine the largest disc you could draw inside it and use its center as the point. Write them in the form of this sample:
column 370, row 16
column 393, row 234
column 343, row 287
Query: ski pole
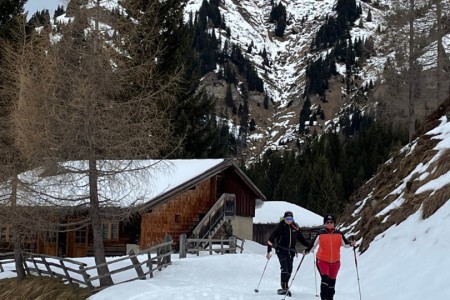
column 256, row 290
column 315, row 272
column 357, row 273
column 292, row 281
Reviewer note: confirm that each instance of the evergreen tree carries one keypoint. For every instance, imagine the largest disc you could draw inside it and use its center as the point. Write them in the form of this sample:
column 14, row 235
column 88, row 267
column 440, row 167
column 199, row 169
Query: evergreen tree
column 280, row 27
column 252, row 126
column 304, row 114
column 266, row 101
column 229, row 96
column 194, row 111
column 323, row 196
column 40, row 18
column 9, row 11
column 369, row 16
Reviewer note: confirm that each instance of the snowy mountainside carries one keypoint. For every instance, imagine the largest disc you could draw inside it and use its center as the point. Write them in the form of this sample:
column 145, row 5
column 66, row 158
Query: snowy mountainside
column 415, row 181
column 285, row 78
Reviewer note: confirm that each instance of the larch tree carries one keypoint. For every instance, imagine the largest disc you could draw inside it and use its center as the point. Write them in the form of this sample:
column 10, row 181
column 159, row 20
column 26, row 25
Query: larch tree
column 94, row 93
column 11, row 162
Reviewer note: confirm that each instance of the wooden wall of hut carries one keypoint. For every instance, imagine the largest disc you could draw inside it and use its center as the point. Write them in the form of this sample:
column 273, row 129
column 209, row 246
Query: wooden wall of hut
column 178, row 215
column 245, row 197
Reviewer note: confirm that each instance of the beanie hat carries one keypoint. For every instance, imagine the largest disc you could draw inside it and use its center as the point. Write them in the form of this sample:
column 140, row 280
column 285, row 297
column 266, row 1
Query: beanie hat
column 329, row 217
column 288, row 214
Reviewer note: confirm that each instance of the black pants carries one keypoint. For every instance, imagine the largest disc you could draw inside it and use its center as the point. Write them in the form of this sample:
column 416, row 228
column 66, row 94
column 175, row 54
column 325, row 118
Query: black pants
column 327, row 285
column 286, row 260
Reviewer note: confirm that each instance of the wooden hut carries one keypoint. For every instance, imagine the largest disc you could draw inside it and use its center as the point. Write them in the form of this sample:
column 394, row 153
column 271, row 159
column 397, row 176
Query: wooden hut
column 181, row 209
column 195, row 197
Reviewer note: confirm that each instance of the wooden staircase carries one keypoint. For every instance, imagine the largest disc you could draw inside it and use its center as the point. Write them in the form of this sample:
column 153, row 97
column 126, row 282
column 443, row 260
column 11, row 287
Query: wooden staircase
column 222, row 211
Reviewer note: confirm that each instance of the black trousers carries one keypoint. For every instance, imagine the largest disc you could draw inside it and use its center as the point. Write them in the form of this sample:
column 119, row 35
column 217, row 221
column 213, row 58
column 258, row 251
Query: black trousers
column 286, row 260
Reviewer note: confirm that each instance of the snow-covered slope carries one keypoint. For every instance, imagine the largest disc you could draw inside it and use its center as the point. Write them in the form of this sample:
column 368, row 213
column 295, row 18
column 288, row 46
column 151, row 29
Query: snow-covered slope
column 284, row 79
column 407, row 262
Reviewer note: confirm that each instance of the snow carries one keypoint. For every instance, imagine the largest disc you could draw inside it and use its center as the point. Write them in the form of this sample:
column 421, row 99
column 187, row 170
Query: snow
column 271, row 211
column 407, row 261
column 123, row 183
column 400, row 264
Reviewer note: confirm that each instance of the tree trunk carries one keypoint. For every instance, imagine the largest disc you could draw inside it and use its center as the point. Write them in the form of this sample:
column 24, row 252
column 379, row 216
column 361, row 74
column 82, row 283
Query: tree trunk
column 412, row 118
column 16, row 233
column 96, row 222
column 440, row 53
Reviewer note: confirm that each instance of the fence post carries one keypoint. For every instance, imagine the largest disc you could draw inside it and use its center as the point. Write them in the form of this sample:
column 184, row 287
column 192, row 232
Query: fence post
column 86, row 278
column 150, row 263
column 232, row 244
column 242, row 245
column 182, row 249
column 210, row 244
column 159, row 260
column 35, row 265
column 47, row 266
column 136, row 264
column 168, row 249
column 25, row 265
column 63, row 266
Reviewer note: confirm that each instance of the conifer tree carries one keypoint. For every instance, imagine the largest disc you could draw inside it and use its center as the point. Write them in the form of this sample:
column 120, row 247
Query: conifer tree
column 77, row 99
column 11, row 161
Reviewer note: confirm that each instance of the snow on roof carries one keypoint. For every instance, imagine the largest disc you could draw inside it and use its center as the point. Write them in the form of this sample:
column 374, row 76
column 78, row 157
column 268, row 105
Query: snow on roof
column 272, row 211
column 120, row 183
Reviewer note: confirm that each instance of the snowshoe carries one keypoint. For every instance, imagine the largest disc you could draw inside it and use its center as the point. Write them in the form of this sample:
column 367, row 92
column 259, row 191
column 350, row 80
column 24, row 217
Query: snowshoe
column 284, row 292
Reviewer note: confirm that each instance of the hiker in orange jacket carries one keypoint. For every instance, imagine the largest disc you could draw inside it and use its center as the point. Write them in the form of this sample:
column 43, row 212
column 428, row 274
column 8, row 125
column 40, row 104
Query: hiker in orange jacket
column 328, row 255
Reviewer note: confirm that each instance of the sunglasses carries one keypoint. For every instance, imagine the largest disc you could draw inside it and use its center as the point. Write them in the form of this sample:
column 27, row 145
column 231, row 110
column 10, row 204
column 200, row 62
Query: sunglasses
column 329, row 222
column 289, row 219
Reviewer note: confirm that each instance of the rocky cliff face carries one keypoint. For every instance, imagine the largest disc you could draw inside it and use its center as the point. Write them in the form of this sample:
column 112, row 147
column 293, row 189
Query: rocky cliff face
column 416, row 178
column 288, row 56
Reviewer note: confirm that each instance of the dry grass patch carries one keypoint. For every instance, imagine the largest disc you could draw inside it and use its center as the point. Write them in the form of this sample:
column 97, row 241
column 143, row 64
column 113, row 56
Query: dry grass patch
column 432, row 203
column 40, row 288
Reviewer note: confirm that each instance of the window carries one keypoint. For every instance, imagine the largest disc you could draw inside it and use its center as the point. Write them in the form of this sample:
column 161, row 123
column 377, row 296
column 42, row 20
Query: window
column 4, row 233
column 114, row 231
column 50, row 237
column 105, row 230
column 80, row 236
column 110, row 230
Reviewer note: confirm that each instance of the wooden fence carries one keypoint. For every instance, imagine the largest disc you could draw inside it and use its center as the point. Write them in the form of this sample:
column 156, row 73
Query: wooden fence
column 197, row 245
column 6, row 258
column 77, row 273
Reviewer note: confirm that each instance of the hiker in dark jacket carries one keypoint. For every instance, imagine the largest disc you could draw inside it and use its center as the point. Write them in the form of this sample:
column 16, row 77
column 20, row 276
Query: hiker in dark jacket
column 283, row 240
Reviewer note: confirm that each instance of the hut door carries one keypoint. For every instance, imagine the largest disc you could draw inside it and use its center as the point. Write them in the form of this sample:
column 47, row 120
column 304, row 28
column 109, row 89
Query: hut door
column 77, row 243
column 62, row 244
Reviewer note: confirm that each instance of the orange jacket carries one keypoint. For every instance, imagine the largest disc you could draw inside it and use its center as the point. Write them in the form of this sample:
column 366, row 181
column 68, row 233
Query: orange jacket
column 330, row 245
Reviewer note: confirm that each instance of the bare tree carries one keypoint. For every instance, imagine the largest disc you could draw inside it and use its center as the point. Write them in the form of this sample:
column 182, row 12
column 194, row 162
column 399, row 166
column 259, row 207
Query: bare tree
column 410, row 73
column 12, row 161
column 411, row 67
column 442, row 58
column 88, row 93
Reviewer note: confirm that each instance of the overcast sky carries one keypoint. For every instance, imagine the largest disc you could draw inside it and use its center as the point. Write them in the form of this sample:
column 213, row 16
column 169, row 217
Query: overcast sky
column 34, row 5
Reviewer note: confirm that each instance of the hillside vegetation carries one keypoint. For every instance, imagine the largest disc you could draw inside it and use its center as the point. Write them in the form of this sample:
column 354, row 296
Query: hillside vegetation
column 398, row 189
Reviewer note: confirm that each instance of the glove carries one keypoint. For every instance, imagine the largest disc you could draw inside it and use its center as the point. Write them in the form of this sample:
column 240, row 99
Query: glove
column 269, row 255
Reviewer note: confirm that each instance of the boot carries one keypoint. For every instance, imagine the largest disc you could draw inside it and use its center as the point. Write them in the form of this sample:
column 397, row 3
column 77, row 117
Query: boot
column 284, row 289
